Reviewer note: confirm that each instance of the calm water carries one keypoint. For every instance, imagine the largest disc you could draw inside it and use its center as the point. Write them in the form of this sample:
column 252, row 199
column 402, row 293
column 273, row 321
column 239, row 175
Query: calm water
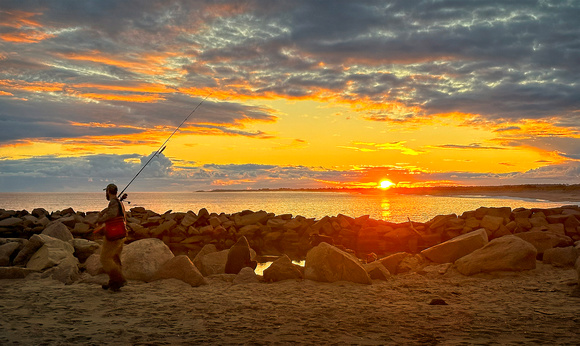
column 391, row 207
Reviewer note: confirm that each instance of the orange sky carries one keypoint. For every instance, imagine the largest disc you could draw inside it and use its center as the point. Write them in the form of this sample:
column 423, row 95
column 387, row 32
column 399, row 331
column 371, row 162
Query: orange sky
column 297, row 98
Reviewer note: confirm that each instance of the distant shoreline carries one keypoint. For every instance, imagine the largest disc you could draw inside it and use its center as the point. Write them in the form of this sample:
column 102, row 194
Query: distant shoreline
column 547, row 192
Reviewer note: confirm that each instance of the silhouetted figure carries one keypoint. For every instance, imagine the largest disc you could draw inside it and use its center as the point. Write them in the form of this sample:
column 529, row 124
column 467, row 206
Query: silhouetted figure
column 115, row 232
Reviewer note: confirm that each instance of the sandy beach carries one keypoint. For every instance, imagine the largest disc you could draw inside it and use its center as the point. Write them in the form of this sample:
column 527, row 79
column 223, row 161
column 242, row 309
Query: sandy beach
column 533, row 307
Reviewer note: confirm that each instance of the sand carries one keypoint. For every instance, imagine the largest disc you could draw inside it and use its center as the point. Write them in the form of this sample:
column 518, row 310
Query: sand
column 533, row 307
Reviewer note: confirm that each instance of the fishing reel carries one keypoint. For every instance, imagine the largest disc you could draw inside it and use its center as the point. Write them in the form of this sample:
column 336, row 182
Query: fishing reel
column 124, row 197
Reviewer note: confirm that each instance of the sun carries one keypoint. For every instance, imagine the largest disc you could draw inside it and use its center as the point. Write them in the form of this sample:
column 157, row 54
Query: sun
column 386, row 184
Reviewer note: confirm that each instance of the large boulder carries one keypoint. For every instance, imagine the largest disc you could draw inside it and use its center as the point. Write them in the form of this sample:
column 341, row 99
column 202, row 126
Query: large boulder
column 181, row 268
column 453, row 249
column 93, row 265
column 392, row 262
column 327, row 263
column 34, row 243
column 239, row 257
column 543, row 241
column 6, row 252
column 508, row 253
column 207, row 249
column 53, row 252
column 561, row 256
column 143, row 258
column 282, row 269
column 66, row 271
column 59, row 231
column 214, row 263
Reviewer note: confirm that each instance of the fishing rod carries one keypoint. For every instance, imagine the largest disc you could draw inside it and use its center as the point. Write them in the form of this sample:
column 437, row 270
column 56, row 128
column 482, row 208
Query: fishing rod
column 122, row 196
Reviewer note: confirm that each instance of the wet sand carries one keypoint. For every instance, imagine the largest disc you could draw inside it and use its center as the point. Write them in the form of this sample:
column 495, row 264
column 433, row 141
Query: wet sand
column 533, row 307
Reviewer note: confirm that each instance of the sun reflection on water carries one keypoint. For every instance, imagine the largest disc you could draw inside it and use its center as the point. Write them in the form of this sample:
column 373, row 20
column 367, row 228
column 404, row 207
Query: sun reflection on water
column 386, row 208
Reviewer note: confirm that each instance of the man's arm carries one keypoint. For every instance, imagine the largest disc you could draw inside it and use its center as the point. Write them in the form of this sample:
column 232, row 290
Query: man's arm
column 108, row 213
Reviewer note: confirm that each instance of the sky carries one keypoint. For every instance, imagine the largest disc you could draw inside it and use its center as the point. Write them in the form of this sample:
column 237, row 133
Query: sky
column 294, row 94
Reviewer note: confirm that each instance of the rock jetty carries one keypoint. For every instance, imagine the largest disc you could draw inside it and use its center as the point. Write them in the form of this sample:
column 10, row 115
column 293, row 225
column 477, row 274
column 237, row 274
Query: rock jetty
column 62, row 244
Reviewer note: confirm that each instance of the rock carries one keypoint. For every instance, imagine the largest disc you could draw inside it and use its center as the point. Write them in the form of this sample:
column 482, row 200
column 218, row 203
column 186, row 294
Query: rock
column 377, row 271
column 438, row 301
column 276, row 223
column 53, row 252
column 214, row 263
column 188, row 220
column 59, row 231
column 81, row 229
column 251, row 219
column 392, row 262
column 6, row 252
column 557, row 228
column 561, row 256
column 441, row 220
column 435, row 270
column 411, row 263
column 246, row 276
column 11, row 222
column 67, row 271
column 84, row 248
column 143, row 258
column 39, row 213
column 93, row 264
column 327, row 263
column 69, row 221
column 34, row 243
column 453, row 249
column 508, row 253
column 239, row 257
column 14, row 272
column 544, row 240
column 91, row 218
column 282, row 269
column 181, row 268
column 491, row 223
column 164, row 228
column 197, row 260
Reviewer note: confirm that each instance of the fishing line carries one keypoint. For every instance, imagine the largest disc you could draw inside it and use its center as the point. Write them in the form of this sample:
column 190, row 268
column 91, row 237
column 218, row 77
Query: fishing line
column 161, row 148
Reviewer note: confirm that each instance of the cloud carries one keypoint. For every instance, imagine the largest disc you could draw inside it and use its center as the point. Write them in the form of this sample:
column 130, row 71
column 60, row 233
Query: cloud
column 92, row 172
column 500, row 60
column 471, row 146
column 370, row 147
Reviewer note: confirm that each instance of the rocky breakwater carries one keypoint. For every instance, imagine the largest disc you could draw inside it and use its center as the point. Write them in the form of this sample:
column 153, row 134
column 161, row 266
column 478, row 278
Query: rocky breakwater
column 394, row 247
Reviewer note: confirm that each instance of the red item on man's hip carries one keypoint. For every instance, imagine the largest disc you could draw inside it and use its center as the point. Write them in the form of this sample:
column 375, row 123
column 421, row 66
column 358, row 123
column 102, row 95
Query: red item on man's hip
column 115, row 228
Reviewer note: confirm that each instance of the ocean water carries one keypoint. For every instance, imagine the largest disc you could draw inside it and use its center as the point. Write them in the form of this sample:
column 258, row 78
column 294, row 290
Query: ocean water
column 386, row 206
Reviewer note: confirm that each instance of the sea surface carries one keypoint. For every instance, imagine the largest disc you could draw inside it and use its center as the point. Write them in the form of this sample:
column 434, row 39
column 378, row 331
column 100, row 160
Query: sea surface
column 386, row 206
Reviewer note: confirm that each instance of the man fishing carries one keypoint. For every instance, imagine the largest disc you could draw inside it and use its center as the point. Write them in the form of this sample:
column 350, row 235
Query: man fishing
column 115, row 228
column 115, row 232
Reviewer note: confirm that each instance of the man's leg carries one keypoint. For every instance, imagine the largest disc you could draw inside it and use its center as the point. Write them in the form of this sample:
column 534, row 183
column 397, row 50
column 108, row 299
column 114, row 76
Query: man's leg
column 111, row 261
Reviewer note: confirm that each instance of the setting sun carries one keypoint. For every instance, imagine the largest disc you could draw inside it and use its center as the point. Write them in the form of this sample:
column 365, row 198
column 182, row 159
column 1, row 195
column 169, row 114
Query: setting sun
column 385, row 184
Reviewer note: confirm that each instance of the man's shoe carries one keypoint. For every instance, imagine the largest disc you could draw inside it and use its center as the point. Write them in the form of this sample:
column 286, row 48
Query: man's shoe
column 116, row 286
